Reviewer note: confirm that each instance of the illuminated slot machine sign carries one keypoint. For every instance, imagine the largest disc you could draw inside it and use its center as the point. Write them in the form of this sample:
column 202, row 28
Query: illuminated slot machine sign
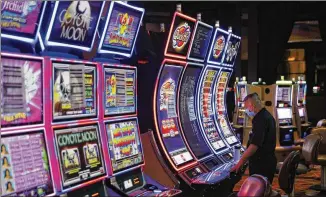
column 199, row 46
column 301, row 94
column 124, row 145
column 80, row 156
column 180, row 36
column 284, row 94
column 25, row 167
column 231, row 51
column 73, row 24
column 241, row 94
column 74, row 90
column 187, row 108
column 20, row 19
column 119, row 90
column 221, row 115
column 218, row 46
column 22, row 91
column 206, row 109
column 121, row 29
column 166, row 114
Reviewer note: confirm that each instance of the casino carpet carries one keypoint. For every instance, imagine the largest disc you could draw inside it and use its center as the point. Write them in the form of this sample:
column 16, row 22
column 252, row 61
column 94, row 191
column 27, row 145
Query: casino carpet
column 303, row 182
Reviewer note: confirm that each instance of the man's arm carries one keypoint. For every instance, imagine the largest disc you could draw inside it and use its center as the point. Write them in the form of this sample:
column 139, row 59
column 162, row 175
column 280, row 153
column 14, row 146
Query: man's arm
column 249, row 152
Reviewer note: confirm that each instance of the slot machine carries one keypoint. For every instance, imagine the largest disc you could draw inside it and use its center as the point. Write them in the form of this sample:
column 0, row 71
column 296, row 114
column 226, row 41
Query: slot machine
column 241, row 122
column 125, row 161
column 299, row 107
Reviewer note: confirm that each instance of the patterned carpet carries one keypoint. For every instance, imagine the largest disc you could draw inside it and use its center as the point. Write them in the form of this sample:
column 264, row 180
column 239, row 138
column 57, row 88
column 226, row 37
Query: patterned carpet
column 303, row 182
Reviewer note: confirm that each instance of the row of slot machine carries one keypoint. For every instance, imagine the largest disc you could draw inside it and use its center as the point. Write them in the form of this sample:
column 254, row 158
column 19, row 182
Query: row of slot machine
column 69, row 126
column 192, row 131
column 285, row 100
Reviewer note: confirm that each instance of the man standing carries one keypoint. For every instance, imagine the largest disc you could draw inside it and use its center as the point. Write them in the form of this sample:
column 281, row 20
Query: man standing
column 262, row 141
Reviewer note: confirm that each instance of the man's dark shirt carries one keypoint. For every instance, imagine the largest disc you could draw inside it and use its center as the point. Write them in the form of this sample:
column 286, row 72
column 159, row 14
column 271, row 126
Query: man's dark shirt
column 263, row 135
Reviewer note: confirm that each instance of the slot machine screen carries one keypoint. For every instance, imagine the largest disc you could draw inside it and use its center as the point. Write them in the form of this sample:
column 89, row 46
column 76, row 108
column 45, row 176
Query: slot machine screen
column 188, row 116
column 242, row 92
column 20, row 19
column 124, row 144
column 73, row 90
column 22, row 91
column 301, row 112
column 284, row 113
column 200, row 44
column 231, row 51
column 206, row 109
column 120, row 90
column 74, row 24
column 218, row 45
column 180, row 35
column 121, row 29
column 25, row 168
column 167, row 118
column 284, row 94
column 301, row 94
column 79, row 153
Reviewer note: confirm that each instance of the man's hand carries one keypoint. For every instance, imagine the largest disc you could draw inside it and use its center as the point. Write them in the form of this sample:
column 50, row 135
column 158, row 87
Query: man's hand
column 237, row 167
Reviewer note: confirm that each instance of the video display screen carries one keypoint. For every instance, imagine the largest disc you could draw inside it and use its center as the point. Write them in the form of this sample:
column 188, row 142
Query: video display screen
column 218, row 46
column 25, row 168
column 80, row 154
column 74, row 90
column 75, row 23
column 284, row 113
column 120, row 90
column 167, row 117
column 206, row 109
column 301, row 112
column 284, row 94
column 200, row 44
column 241, row 93
column 188, row 116
column 22, row 91
column 232, row 49
column 122, row 28
column 181, row 34
column 124, row 144
column 21, row 18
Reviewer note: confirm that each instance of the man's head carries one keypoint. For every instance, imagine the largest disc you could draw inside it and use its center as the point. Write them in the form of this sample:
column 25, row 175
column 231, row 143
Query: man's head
column 252, row 104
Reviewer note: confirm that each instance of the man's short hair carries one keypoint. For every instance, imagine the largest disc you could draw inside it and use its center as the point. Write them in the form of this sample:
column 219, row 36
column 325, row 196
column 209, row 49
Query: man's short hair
column 252, row 96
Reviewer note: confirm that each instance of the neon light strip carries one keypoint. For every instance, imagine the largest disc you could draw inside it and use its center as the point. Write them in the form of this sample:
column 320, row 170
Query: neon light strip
column 176, row 168
column 109, row 167
column 169, row 38
column 28, row 40
column 27, row 57
column 192, row 41
column 106, row 28
column 196, row 91
column 212, row 45
column 47, row 149
column 52, row 43
column 231, row 65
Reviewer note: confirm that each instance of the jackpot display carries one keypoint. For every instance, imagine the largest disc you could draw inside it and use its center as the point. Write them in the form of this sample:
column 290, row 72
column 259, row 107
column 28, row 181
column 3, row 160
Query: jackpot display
column 206, row 109
column 222, row 118
column 218, row 46
column 80, row 154
column 231, row 50
column 166, row 110
column 22, row 91
column 284, row 94
column 180, row 35
column 120, row 90
column 188, row 117
column 25, row 169
column 200, row 44
column 122, row 25
column 21, row 18
column 73, row 90
column 124, row 145
column 74, row 23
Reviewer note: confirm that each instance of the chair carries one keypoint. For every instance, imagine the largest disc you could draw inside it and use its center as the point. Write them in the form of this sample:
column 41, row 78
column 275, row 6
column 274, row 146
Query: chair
column 255, row 185
column 321, row 123
column 317, row 156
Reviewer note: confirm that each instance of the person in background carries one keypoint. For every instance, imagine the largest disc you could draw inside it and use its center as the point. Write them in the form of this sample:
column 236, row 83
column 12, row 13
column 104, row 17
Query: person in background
column 262, row 141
